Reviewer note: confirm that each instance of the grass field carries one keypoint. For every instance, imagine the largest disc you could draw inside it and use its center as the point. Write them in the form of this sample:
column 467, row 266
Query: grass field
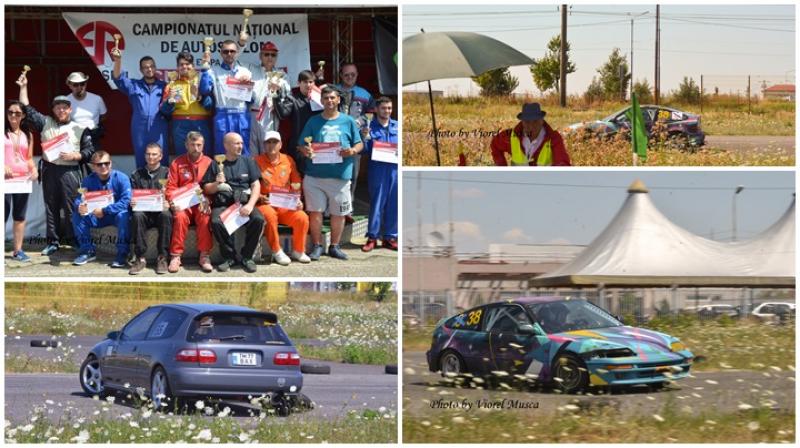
column 467, row 124
column 355, row 328
column 723, row 343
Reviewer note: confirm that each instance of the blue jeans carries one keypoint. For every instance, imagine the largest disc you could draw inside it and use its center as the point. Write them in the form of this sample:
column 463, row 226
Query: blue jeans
column 83, row 226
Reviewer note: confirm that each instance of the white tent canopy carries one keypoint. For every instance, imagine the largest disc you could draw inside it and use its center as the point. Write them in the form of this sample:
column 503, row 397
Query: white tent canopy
column 642, row 247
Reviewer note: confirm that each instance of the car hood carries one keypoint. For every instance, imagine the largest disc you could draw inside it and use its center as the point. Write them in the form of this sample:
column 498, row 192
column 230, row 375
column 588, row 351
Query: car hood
column 640, row 341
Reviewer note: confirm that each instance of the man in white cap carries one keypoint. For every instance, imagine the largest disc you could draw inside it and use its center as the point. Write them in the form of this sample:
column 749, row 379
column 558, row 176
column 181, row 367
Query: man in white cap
column 88, row 110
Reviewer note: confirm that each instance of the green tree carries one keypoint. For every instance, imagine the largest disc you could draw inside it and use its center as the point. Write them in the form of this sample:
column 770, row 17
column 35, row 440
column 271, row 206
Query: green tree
column 594, row 92
column 546, row 71
column 615, row 76
column 643, row 91
column 497, row 82
column 688, row 92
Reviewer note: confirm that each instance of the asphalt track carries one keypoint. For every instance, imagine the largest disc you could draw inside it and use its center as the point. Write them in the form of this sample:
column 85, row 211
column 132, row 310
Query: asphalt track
column 427, row 394
column 742, row 143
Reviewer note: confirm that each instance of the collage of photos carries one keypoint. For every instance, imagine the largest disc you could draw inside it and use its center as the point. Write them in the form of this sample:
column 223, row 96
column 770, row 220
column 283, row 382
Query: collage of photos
column 302, row 223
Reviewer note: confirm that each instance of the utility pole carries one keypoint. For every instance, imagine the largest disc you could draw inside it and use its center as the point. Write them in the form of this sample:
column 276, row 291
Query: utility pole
column 633, row 17
column 657, row 84
column 563, row 82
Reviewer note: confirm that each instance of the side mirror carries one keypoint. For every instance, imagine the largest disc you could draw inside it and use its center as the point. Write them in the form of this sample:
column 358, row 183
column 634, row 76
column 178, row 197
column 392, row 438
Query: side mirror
column 619, row 318
column 526, row 329
column 113, row 335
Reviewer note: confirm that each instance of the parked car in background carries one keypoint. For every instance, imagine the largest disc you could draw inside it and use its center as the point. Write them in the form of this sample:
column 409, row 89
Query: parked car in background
column 176, row 351
column 712, row 311
column 569, row 343
column 774, row 311
column 677, row 127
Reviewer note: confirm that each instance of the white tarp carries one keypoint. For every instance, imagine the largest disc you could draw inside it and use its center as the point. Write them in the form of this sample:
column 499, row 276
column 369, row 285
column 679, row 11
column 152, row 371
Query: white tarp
column 642, row 246
column 162, row 36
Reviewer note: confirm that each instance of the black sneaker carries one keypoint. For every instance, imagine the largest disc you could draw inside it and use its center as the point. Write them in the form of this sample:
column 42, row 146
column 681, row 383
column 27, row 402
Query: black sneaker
column 249, row 265
column 316, row 252
column 225, row 266
column 335, row 252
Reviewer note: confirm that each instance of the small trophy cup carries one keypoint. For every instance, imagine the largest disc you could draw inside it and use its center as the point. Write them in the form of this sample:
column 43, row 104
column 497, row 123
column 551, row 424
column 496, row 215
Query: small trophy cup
column 320, row 69
column 163, row 183
column 220, row 158
column 308, row 142
column 115, row 51
column 208, row 42
column 25, row 70
column 82, row 192
column 246, row 13
column 295, row 185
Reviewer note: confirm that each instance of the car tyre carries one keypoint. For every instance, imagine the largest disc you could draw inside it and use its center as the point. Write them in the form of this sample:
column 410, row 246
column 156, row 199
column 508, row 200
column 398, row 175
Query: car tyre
column 451, row 364
column 91, row 377
column 161, row 393
column 315, row 369
column 572, row 372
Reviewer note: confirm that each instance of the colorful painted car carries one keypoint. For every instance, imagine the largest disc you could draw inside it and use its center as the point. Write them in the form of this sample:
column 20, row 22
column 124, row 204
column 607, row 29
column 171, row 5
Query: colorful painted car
column 682, row 128
column 569, row 342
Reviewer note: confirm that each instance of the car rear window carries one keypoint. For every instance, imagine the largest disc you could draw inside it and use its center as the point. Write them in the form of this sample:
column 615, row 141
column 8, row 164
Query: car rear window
column 468, row 320
column 237, row 328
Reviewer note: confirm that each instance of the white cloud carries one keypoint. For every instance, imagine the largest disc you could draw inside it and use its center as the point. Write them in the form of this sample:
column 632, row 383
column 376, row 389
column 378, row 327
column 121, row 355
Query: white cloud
column 516, row 235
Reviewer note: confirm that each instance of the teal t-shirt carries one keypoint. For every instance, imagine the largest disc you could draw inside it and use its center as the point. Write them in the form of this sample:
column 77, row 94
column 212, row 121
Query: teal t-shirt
column 343, row 130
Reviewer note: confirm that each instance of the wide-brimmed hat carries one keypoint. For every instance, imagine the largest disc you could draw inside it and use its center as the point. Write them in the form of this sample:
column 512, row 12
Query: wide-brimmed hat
column 77, row 77
column 531, row 111
column 61, row 99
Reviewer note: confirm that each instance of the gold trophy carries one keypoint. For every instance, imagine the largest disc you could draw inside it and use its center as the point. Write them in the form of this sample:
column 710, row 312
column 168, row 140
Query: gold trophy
column 208, row 42
column 220, row 158
column 25, row 70
column 115, row 51
column 246, row 13
column 308, row 142
column 82, row 192
column 295, row 185
column 320, row 70
column 163, row 183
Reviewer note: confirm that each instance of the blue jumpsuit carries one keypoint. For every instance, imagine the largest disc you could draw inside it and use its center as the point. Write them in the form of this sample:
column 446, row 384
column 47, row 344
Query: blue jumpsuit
column 230, row 115
column 147, row 124
column 382, row 184
column 115, row 214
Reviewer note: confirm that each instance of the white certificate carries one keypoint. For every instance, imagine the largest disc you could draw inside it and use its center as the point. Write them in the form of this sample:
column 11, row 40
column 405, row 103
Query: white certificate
column 232, row 219
column 316, row 99
column 384, row 152
column 98, row 199
column 148, row 200
column 284, row 198
column 186, row 196
column 326, row 153
column 56, row 146
column 238, row 90
column 21, row 184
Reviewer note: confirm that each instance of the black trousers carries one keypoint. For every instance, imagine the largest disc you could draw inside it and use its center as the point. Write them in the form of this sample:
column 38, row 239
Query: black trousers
column 227, row 244
column 141, row 222
column 60, row 185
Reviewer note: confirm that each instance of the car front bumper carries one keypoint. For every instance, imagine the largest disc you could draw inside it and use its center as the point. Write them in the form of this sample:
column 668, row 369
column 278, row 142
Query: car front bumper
column 618, row 372
column 229, row 382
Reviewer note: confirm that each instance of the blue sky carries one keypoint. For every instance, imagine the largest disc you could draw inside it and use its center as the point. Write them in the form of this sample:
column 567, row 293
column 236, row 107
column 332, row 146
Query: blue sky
column 486, row 209
column 725, row 43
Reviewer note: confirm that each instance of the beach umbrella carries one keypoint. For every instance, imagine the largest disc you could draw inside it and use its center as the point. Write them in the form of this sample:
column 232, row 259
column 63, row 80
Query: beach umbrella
column 456, row 54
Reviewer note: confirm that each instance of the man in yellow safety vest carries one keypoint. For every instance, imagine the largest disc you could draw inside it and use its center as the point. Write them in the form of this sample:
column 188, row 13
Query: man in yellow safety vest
column 532, row 142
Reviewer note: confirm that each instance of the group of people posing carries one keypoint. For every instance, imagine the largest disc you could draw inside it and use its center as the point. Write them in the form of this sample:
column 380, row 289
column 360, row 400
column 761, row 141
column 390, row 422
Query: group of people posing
column 228, row 111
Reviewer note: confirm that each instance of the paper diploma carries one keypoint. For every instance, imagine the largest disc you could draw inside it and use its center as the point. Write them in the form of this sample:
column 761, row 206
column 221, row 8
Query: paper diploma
column 19, row 184
column 326, row 153
column 384, row 152
column 186, row 196
column 232, row 219
column 148, row 200
column 284, row 198
column 98, row 199
column 238, row 90
column 56, row 146
column 316, row 99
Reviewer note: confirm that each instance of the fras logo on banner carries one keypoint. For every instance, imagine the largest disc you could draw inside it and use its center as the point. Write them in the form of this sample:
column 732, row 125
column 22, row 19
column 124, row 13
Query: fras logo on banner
column 98, row 40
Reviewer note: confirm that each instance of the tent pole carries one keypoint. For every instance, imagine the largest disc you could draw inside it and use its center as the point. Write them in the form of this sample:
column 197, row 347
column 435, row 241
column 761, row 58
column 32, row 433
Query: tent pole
column 435, row 132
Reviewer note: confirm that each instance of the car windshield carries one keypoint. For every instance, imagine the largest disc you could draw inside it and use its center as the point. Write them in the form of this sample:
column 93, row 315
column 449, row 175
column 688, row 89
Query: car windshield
column 571, row 315
column 237, row 328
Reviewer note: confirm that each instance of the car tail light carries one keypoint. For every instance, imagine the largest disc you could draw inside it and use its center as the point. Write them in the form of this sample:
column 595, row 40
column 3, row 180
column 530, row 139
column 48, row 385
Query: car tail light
column 286, row 359
column 202, row 356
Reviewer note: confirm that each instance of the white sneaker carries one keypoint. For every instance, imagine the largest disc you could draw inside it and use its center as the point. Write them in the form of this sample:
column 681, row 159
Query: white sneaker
column 281, row 258
column 300, row 256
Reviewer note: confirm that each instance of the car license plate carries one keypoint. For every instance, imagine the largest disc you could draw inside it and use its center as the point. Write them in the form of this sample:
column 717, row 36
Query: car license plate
column 243, row 359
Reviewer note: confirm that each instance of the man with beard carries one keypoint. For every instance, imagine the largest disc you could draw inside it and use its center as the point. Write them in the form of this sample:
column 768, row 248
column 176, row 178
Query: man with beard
column 61, row 177
column 147, row 124
column 269, row 88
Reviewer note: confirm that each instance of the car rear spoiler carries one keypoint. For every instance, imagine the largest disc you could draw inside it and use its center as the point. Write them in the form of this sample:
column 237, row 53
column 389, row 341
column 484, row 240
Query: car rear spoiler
column 271, row 318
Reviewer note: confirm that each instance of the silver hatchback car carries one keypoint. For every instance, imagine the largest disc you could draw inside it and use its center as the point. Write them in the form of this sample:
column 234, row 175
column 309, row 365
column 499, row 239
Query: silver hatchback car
column 196, row 350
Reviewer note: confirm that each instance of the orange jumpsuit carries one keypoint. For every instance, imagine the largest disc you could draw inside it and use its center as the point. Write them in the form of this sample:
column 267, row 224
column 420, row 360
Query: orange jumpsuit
column 282, row 174
column 182, row 172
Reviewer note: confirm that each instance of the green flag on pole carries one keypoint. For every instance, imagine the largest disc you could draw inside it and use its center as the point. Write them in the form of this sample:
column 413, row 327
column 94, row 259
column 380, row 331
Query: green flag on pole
column 638, row 131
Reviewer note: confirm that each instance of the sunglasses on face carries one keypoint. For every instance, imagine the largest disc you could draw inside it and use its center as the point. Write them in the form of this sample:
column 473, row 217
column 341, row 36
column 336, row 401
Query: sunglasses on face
column 228, row 51
column 101, row 164
column 14, row 113
column 78, row 84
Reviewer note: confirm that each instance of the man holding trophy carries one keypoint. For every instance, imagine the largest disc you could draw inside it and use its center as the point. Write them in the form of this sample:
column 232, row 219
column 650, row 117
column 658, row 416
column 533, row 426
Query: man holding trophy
column 104, row 198
column 150, row 209
column 65, row 144
column 297, row 109
column 269, row 88
column 183, row 102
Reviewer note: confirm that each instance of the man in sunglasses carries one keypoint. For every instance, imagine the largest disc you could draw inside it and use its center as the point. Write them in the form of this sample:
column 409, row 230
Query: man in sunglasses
column 88, row 110
column 226, row 83
column 114, row 214
column 269, row 89
column 60, row 176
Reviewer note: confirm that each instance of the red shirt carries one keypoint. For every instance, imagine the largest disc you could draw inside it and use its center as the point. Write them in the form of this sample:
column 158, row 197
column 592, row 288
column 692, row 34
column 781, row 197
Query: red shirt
column 501, row 144
column 183, row 171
